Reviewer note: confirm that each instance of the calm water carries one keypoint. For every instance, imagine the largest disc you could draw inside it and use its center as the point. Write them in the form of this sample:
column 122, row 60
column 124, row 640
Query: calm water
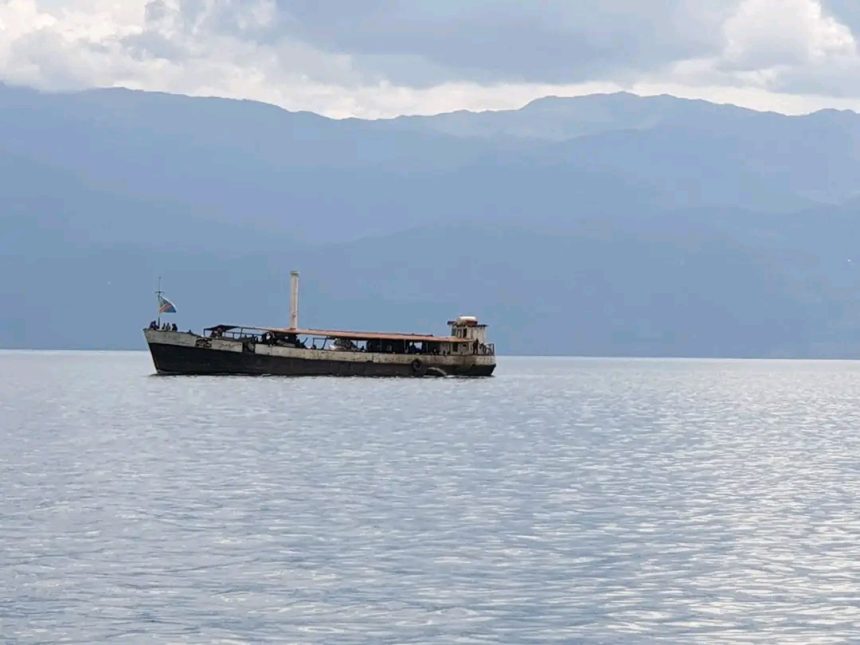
column 563, row 500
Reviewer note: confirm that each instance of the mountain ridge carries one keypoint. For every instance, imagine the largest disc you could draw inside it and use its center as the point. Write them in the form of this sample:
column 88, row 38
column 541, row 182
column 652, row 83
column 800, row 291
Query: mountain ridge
column 713, row 231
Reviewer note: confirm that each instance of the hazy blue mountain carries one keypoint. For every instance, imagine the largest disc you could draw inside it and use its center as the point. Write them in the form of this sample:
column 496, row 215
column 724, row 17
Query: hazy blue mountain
column 602, row 289
column 606, row 225
column 814, row 156
column 559, row 119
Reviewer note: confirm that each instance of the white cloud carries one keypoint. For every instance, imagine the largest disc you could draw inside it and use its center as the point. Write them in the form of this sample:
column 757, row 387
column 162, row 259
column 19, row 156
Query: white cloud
column 787, row 55
column 777, row 54
column 764, row 34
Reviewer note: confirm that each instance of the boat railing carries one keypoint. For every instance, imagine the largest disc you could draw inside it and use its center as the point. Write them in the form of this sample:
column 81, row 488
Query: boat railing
column 242, row 334
column 235, row 334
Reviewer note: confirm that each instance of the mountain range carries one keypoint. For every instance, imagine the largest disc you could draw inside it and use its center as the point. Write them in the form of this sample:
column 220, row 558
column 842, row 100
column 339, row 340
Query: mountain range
column 602, row 225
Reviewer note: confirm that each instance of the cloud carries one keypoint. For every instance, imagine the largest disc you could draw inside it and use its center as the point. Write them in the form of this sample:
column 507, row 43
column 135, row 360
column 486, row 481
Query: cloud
column 791, row 47
column 764, row 34
column 846, row 11
column 385, row 57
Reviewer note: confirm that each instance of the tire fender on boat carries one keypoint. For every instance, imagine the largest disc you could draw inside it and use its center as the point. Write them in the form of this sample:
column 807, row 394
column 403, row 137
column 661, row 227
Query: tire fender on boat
column 418, row 367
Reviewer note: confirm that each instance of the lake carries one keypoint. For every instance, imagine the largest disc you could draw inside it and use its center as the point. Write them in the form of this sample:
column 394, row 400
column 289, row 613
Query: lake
column 562, row 500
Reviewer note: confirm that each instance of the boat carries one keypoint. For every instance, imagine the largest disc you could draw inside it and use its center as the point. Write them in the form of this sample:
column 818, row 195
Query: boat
column 227, row 349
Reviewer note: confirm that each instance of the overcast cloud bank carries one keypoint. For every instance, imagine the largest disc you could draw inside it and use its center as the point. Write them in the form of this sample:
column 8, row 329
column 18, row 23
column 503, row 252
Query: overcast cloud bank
column 378, row 59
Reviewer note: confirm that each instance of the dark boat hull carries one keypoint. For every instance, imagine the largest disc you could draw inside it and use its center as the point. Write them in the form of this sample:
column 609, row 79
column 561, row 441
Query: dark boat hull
column 180, row 359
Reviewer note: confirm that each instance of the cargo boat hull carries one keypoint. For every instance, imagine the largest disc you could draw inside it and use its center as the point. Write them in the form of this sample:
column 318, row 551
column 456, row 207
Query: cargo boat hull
column 182, row 353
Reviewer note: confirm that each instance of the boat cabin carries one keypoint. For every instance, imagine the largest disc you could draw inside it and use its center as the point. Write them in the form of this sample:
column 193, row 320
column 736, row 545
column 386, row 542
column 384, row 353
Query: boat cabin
column 468, row 328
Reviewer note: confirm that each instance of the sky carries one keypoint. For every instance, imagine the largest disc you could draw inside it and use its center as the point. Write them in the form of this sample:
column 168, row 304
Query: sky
column 383, row 58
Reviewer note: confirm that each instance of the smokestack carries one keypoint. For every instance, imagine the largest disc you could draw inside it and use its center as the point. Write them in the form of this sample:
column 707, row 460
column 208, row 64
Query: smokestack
column 294, row 299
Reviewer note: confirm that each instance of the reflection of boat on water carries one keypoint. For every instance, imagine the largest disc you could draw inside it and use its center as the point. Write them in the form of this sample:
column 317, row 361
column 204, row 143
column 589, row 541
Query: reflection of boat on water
column 293, row 351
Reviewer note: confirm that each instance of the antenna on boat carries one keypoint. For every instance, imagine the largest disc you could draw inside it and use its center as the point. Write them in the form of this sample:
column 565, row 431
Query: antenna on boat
column 294, row 299
column 158, row 301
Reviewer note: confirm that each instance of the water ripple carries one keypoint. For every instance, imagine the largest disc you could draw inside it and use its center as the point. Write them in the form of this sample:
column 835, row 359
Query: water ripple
column 564, row 500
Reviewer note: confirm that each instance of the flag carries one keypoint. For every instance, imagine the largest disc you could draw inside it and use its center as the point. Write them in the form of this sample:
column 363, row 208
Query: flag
column 165, row 306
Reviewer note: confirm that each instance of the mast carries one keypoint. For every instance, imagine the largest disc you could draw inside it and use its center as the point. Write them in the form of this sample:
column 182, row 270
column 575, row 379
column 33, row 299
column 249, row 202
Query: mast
column 294, row 299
